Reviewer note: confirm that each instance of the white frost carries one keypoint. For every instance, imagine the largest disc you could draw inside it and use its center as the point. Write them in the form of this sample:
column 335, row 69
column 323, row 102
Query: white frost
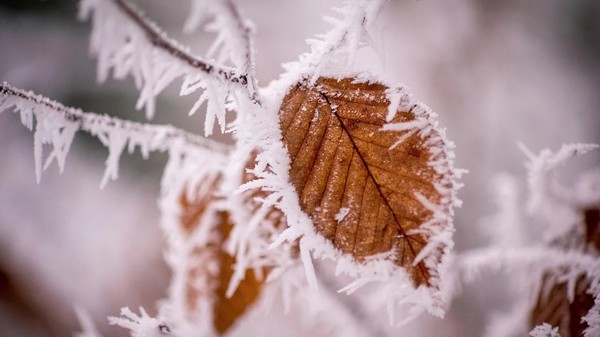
column 140, row 326
column 544, row 330
column 128, row 48
column 341, row 214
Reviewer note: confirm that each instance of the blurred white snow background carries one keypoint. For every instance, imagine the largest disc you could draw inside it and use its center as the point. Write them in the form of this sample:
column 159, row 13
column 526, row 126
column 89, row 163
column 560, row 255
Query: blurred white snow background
column 496, row 72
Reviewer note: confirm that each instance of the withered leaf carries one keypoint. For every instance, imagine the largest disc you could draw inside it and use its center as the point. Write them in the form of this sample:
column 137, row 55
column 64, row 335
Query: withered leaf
column 356, row 186
column 226, row 311
column 553, row 305
column 555, row 308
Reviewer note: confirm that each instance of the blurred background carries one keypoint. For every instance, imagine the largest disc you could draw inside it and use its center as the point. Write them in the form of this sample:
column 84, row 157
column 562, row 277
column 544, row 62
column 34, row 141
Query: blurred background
column 496, row 72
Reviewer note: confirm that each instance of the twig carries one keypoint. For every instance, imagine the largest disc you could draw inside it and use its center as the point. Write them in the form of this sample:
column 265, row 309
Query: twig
column 89, row 122
column 159, row 39
column 244, row 37
column 469, row 265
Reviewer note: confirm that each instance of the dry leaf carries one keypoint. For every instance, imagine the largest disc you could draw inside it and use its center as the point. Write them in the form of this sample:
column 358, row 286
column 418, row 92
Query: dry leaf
column 555, row 308
column 226, row 311
column 553, row 305
column 358, row 188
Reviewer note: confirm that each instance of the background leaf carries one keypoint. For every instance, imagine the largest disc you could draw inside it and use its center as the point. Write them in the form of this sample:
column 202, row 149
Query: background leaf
column 226, row 311
column 553, row 305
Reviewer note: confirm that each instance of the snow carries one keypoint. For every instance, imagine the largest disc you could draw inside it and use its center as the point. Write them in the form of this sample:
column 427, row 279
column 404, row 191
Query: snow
column 341, row 214
column 544, row 330
column 140, row 325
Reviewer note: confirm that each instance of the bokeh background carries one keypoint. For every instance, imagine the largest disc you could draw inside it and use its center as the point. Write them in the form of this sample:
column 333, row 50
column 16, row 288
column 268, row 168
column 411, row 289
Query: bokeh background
column 496, row 72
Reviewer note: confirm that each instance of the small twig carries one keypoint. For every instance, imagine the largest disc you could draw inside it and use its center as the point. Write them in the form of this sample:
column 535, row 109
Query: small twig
column 245, row 37
column 159, row 39
column 88, row 121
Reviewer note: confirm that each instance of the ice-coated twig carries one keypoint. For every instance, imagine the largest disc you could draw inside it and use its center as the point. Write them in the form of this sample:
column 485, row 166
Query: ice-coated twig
column 127, row 43
column 159, row 39
column 57, row 124
column 234, row 41
column 471, row 264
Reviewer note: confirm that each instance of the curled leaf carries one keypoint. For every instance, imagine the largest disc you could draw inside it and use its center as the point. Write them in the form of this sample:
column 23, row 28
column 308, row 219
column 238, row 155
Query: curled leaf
column 208, row 280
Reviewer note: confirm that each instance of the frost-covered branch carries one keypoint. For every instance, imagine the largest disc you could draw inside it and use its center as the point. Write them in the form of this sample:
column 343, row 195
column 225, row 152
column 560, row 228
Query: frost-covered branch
column 127, row 43
column 57, row 125
column 471, row 264
column 234, row 39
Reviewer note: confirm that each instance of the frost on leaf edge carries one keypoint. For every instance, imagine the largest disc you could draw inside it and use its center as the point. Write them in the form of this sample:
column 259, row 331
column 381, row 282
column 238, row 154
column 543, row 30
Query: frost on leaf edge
column 272, row 174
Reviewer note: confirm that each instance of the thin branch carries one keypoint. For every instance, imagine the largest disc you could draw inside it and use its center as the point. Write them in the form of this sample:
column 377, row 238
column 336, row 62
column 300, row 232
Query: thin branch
column 234, row 35
column 244, row 37
column 167, row 135
column 159, row 39
column 469, row 265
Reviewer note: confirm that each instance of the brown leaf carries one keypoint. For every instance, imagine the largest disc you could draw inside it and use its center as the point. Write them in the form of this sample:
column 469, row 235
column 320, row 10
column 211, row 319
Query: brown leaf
column 226, row 311
column 553, row 305
column 555, row 308
column 341, row 159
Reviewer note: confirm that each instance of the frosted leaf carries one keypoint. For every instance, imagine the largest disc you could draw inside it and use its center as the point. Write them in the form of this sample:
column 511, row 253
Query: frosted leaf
column 217, row 275
column 544, row 330
column 342, row 158
column 276, row 172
